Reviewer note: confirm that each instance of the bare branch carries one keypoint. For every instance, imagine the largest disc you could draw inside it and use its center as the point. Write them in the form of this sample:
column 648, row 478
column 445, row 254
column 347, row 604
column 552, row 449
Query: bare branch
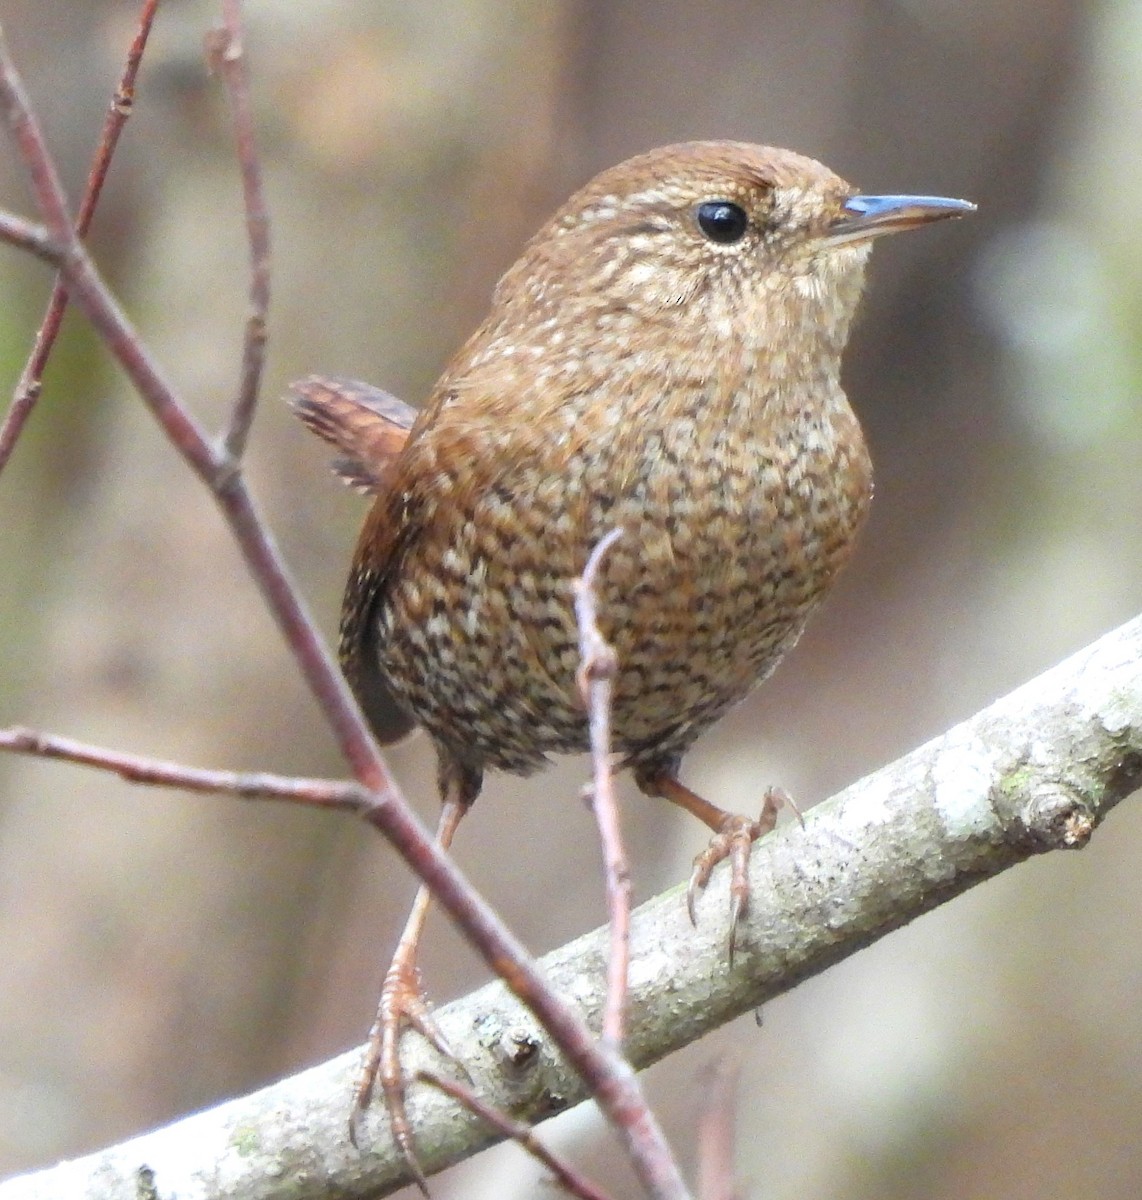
column 597, row 669
column 609, row 1076
column 565, row 1175
column 28, row 389
column 246, row 785
column 27, row 235
column 227, row 57
column 1036, row 771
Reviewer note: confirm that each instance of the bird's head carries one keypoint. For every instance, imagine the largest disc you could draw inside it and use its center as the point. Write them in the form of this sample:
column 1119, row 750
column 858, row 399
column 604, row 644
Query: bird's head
column 731, row 238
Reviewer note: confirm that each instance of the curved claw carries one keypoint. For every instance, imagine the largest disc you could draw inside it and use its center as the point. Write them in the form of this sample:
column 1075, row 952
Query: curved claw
column 734, row 840
column 698, row 881
column 774, row 800
column 402, row 1003
column 402, row 1000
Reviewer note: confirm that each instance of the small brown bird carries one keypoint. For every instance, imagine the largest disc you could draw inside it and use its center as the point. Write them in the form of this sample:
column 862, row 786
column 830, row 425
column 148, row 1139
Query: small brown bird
column 664, row 358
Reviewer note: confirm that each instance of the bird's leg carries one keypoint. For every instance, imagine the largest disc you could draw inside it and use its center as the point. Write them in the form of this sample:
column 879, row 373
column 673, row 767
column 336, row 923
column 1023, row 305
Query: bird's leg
column 402, row 999
column 733, row 838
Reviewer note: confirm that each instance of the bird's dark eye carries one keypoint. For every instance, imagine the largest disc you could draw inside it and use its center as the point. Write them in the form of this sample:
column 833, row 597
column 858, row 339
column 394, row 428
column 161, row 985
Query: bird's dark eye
column 722, row 221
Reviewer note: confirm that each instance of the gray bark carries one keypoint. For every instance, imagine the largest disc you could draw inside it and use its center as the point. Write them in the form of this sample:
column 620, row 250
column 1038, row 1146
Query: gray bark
column 1036, row 771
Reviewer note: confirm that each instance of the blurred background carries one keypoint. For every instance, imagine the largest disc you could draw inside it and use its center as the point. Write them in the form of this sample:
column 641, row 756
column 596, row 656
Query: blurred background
column 159, row 953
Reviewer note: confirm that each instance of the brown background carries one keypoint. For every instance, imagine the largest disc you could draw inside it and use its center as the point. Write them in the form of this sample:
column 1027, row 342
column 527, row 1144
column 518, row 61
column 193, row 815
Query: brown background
column 158, row 953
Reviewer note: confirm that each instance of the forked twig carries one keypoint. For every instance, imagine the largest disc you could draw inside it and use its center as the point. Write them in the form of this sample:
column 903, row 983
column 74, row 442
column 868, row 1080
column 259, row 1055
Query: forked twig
column 31, row 379
column 597, row 668
column 226, row 55
column 58, row 242
column 28, row 235
column 610, row 1078
column 565, row 1175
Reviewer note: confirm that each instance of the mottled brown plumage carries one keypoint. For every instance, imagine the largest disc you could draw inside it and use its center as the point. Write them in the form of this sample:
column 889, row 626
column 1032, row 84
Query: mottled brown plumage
column 633, row 373
column 664, row 357
column 368, row 426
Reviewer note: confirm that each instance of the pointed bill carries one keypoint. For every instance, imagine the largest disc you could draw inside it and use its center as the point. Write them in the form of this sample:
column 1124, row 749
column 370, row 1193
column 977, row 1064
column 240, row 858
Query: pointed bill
column 871, row 216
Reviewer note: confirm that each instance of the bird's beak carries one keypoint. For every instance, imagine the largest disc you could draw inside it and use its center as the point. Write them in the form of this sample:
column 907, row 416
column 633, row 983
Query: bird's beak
column 870, row 216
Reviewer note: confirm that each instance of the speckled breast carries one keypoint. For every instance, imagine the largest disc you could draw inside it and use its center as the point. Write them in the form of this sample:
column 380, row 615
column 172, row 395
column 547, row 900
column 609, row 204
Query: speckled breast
column 722, row 559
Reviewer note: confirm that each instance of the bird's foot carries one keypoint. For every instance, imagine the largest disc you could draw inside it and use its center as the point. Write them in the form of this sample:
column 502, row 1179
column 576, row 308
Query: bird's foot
column 402, row 1004
column 733, row 839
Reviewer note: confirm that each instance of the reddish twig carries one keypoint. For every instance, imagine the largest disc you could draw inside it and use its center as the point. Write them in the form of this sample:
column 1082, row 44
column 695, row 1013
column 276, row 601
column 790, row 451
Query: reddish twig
column 31, row 380
column 565, row 1176
column 716, row 1133
column 226, row 54
column 319, row 793
column 609, row 1077
column 597, row 668
column 216, row 468
column 28, row 235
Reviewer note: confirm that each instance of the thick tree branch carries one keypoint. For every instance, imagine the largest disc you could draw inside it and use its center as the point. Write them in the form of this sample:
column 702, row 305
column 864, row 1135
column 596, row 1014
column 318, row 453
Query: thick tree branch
column 1036, row 771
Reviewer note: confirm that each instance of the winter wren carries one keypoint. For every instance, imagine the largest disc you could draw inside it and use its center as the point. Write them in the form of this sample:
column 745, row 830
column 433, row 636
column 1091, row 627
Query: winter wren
column 664, row 357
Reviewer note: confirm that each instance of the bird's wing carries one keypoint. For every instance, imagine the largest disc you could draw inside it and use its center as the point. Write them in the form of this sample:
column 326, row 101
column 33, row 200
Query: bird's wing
column 370, row 428
column 373, row 560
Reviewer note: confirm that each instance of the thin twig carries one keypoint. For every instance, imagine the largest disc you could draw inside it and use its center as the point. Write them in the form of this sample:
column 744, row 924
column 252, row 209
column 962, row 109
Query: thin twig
column 215, row 468
column 226, row 54
column 31, row 380
column 247, row 785
column 28, row 235
column 597, row 668
column 565, row 1175
column 717, row 1137
column 609, row 1077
